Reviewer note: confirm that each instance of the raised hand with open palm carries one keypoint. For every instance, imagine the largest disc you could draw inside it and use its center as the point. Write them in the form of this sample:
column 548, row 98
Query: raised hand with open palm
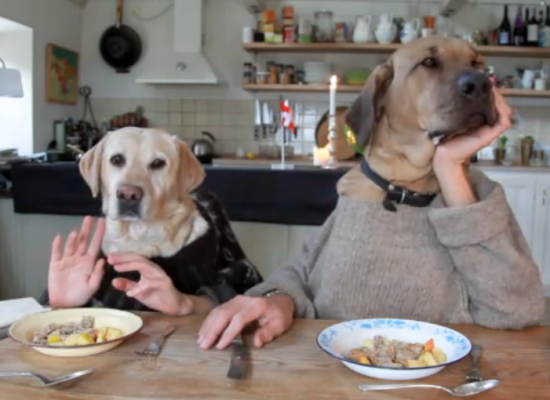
column 75, row 272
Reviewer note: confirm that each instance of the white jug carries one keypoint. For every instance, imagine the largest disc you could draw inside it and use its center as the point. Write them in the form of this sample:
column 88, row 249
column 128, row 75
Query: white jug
column 410, row 30
column 363, row 32
column 386, row 29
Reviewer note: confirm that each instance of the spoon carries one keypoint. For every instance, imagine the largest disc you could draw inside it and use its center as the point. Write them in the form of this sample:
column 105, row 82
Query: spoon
column 468, row 389
column 69, row 378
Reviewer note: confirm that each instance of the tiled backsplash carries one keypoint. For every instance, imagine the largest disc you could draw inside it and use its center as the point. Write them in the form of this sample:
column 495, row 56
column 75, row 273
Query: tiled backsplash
column 232, row 121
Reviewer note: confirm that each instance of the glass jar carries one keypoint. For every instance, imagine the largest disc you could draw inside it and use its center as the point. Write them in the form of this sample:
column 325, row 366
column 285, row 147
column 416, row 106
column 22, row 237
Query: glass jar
column 324, row 26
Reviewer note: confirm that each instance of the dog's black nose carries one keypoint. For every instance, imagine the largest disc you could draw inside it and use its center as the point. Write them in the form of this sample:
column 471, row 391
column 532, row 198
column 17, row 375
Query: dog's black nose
column 129, row 194
column 474, row 84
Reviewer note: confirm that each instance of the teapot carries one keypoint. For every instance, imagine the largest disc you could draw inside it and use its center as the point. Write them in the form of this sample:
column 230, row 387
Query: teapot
column 410, row 30
column 363, row 32
column 386, row 29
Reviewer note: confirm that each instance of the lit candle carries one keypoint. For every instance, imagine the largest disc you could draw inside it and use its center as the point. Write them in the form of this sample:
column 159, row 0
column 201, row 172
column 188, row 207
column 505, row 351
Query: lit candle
column 332, row 104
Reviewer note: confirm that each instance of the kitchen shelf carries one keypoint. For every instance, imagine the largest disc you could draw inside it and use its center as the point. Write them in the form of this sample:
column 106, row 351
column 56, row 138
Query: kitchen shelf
column 357, row 89
column 498, row 51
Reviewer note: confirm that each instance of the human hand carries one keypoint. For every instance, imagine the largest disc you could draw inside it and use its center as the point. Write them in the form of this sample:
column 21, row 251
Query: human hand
column 459, row 150
column 273, row 314
column 155, row 289
column 75, row 273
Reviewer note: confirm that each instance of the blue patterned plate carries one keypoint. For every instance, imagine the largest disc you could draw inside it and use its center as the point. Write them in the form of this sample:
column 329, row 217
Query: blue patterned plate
column 337, row 340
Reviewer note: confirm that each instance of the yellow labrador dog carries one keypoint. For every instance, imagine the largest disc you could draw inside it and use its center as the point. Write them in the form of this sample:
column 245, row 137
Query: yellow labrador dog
column 148, row 181
column 145, row 177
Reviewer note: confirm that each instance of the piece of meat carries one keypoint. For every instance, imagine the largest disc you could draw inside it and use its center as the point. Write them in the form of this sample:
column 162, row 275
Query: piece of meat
column 355, row 355
column 403, row 355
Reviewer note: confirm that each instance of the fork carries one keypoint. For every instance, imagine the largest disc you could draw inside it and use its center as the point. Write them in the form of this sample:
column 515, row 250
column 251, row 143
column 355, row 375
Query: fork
column 474, row 375
column 153, row 349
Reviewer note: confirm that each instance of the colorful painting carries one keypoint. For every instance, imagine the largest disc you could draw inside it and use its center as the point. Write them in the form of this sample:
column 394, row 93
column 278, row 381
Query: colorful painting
column 61, row 75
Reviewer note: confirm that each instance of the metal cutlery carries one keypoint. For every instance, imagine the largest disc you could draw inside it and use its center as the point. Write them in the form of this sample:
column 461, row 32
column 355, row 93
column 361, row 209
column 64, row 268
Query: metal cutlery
column 153, row 349
column 266, row 121
column 474, row 375
column 240, row 358
column 57, row 382
column 468, row 389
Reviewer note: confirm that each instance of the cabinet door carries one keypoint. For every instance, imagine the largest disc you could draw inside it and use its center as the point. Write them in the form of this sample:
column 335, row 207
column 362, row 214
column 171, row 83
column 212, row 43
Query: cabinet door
column 520, row 193
column 541, row 231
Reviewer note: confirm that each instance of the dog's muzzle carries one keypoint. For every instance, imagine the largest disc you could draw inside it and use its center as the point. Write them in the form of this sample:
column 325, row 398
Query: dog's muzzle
column 129, row 199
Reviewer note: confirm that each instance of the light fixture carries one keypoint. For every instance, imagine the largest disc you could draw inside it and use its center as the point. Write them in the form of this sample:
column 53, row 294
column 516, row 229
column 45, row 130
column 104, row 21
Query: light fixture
column 10, row 81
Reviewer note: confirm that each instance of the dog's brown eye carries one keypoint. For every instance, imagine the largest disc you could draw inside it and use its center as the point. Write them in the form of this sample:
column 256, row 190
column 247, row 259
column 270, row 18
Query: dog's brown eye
column 429, row 62
column 117, row 160
column 157, row 164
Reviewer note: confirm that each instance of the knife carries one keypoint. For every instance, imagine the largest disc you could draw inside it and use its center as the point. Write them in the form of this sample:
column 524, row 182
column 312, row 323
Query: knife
column 266, row 120
column 257, row 120
column 240, row 359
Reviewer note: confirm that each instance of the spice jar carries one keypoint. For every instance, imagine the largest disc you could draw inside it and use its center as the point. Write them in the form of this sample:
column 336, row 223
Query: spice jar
column 247, row 77
column 290, row 72
column 305, row 31
column 300, row 77
column 285, row 79
column 288, row 12
column 273, row 74
column 262, row 78
column 341, row 33
column 324, row 26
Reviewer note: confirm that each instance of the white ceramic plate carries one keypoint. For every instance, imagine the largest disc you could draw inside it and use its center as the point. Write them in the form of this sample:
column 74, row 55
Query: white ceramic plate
column 23, row 331
column 337, row 340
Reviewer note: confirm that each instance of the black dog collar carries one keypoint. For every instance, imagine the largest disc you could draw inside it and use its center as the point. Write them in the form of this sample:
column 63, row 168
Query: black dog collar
column 395, row 194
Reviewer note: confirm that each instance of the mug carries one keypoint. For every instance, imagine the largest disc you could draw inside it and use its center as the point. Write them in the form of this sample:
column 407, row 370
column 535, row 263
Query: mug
column 427, row 32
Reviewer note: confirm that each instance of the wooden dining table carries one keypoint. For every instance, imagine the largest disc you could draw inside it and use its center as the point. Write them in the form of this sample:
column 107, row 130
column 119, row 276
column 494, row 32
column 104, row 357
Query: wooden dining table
column 290, row 368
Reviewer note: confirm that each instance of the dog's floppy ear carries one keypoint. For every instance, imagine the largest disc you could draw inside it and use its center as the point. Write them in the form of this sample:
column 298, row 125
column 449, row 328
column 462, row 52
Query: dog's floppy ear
column 366, row 111
column 90, row 167
column 190, row 171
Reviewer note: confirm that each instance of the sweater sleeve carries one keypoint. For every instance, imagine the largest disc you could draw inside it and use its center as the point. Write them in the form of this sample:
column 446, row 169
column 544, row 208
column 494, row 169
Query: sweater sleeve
column 491, row 254
column 292, row 278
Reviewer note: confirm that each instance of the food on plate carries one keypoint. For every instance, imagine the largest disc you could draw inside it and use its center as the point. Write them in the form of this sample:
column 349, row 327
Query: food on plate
column 75, row 334
column 392, row 353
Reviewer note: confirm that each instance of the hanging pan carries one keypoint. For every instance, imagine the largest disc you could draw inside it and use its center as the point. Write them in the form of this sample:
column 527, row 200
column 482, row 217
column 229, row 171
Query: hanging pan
column 120, row 45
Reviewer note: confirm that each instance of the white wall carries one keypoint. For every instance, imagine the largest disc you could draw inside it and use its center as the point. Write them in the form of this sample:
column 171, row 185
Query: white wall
column 16, row 114
column 53, row 21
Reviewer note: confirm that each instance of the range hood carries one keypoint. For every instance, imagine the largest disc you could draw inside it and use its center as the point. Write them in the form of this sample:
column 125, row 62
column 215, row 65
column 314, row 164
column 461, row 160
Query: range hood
column 187, row 63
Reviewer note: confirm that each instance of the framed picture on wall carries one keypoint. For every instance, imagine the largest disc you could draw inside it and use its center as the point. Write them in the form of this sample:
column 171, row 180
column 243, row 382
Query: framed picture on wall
column 61, row 75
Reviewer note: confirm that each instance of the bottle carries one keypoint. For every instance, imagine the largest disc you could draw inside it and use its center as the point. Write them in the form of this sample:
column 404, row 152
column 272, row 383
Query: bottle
column 547, row 23
column 505, row 30
column 519, row 29
column 541, row 28
column 533, row 31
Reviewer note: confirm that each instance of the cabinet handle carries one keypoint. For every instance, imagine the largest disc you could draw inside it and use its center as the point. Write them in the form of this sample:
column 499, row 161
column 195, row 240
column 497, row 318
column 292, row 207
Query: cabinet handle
column 544, row 198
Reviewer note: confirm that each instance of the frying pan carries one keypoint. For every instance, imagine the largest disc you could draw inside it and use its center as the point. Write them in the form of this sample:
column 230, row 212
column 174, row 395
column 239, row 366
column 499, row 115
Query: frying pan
column 120, row 45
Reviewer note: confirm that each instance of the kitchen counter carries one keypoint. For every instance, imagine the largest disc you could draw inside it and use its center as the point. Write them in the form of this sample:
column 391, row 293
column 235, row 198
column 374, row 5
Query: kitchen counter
column 250, row 190
column 256, row 194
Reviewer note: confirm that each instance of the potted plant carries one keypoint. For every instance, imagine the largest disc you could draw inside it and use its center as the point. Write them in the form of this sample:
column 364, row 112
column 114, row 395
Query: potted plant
column 500, row 149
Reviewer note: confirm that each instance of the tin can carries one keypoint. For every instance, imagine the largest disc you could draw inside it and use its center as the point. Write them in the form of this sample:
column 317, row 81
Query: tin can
column 289, row 34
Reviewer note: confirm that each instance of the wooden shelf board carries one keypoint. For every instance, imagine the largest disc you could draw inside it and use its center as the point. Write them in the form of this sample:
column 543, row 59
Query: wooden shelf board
column 357, row 89
column 501, row 51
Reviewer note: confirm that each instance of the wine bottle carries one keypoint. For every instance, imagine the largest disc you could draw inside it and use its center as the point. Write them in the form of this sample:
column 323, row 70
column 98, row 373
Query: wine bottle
column 533, row 30
column 519, row 29
column 505, row 30
column 541, row 28
column 547, row 23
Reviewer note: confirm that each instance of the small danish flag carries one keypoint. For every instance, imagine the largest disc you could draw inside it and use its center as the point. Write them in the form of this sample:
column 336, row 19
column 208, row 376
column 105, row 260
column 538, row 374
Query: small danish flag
column 286, row 116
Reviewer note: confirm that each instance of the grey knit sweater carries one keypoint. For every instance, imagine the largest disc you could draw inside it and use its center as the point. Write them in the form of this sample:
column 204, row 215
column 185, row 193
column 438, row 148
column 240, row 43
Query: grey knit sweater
column 444, row 265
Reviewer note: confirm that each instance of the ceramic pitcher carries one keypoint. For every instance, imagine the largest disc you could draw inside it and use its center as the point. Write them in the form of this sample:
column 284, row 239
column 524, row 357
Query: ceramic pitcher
column 363, row 32
column 410, row 30
column 386, row 29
